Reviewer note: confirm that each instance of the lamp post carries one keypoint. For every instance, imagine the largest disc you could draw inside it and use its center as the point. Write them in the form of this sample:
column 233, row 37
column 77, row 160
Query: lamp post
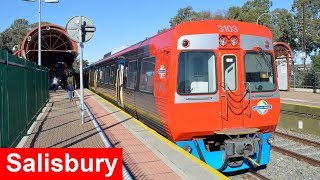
column 39, row 25
column 264, row 14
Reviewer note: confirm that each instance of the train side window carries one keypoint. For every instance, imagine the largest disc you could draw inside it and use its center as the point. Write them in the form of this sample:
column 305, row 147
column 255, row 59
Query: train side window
column 196, row 73
column 102, row 74
column 112, row 74
column 107, row 75
column 147, row 75
column 132, row 74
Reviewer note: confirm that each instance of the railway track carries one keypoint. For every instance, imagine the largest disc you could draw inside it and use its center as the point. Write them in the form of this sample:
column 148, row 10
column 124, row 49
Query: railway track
column 301, row 149
column 294, row 138
column 254, row 175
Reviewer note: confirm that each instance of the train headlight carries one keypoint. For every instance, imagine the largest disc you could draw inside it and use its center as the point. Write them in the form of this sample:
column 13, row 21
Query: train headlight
column 234, row 41
column 223, row 40
column 271, row 140
column 185, row 43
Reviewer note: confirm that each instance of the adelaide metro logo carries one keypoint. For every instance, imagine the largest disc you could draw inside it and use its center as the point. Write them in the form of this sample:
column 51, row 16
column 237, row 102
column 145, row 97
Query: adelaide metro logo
column 162, row 71
column 262, row 107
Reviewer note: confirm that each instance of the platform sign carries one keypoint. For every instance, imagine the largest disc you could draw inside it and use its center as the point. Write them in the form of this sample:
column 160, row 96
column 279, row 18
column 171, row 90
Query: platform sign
column 83, row 24
column 80, row 29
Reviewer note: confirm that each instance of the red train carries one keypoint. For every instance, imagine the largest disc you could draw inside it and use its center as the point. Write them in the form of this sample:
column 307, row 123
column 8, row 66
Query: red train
column 209, row 86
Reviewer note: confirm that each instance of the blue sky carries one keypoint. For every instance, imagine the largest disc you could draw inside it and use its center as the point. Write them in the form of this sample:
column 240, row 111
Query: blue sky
column 118, row 23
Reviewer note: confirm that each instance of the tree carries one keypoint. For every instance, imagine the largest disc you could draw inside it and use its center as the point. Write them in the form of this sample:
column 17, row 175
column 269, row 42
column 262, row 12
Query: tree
column 184, row 14
column 187, row 14
column 307, row 17
column 76, row 65
column 35, row 25
column 250, row 11
column 281, row 28
column 14, row 34
column 316, row 62
column 234, row 12
column 316, row 69
column 280, row 24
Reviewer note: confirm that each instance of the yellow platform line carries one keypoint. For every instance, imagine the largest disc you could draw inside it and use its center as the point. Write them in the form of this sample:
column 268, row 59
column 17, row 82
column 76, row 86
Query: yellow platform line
column 170, row 143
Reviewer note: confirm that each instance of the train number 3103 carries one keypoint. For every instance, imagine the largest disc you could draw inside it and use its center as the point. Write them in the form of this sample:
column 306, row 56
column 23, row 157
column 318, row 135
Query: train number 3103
column 227, row 28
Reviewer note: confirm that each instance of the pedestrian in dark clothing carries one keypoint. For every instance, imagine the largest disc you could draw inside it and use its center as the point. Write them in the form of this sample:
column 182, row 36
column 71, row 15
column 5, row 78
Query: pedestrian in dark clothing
column 70, row 90
column 72, row 80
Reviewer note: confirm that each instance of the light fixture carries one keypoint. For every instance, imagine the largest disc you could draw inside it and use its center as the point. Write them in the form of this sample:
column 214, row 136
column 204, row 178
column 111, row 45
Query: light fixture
column 223, row 40
column 234, row 40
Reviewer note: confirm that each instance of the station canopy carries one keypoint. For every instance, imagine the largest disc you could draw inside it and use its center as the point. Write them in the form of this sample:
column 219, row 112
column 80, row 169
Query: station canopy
column 56, row 46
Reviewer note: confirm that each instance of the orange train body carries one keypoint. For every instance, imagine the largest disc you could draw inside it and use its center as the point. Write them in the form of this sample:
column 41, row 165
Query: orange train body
column 209, row 86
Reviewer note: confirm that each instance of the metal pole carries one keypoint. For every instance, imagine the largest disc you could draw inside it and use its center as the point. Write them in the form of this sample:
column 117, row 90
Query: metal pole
column 39, row 34
column 303, row 38
column 294, row 78
column 81, row 72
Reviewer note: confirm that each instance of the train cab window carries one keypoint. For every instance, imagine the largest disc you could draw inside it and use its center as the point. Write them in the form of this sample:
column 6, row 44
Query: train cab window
column 259, row 71
column 147, row 75
column 107, row 75
column 229, row 72
column 132, row 74
column 196, row 73
column 112, row 74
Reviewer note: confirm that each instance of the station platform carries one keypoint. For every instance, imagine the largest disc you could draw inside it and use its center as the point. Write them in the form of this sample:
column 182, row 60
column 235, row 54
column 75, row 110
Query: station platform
column 146, row 154
column 300, row 111
column 303, row 98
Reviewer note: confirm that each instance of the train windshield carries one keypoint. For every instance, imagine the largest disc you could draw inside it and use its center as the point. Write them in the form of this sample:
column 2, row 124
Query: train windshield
column 196, row 74
column 259, row 71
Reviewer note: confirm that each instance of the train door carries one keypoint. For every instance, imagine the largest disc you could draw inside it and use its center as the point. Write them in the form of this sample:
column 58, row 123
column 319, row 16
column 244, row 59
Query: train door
column 231, row 92
column 95, row 79
column 119, row 82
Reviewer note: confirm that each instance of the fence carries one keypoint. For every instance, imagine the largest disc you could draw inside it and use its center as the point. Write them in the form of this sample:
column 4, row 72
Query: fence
column 305, row 79
column 24, row 90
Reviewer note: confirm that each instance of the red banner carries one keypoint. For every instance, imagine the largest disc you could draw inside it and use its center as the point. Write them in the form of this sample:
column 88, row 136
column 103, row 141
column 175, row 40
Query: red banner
column 54, row 163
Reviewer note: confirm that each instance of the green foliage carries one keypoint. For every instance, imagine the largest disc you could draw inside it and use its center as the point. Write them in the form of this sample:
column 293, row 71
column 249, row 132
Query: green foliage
column 281, row 28
column 187, row 14
column 184, row 14
column 15, row 34
column 34, row 25
column 251, row 10
column 76, row 65
column 316, row 62
column 279, row 21
column 311, row 23
column 234, row 12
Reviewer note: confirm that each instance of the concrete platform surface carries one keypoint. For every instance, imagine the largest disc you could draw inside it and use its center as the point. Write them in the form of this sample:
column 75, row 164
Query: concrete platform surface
column 303, row 98
column 60, row 126
column 146, row 154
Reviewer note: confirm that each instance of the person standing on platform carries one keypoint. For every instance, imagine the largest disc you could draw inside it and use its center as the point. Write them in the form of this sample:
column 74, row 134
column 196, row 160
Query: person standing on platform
column 72, row 80
column 70, row 90
column 55, row 83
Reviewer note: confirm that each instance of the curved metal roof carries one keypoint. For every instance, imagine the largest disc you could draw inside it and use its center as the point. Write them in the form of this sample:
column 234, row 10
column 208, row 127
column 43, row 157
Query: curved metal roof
column 56, row 46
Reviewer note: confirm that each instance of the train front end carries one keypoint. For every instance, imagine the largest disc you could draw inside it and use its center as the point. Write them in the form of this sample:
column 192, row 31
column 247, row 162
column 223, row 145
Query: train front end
column 226, row 100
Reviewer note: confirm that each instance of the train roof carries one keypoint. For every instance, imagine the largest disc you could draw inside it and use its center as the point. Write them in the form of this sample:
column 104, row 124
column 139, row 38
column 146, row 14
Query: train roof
column 245, row 27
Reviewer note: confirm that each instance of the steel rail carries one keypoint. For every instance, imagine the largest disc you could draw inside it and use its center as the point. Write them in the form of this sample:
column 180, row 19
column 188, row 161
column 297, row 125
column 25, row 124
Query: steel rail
column 300, row 157
column 298, row 139
column 253, row 173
